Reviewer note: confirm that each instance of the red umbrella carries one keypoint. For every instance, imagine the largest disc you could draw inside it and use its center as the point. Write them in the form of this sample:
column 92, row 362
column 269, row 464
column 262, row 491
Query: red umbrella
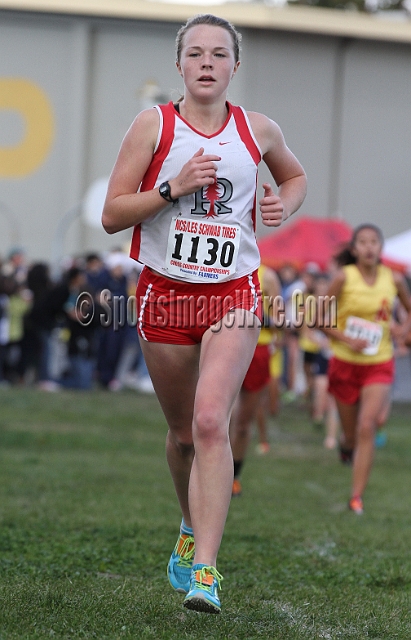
column 307, row 239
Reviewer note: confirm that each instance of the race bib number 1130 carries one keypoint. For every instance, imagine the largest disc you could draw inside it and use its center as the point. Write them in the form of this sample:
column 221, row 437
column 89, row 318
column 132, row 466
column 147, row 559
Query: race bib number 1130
column 202, row 251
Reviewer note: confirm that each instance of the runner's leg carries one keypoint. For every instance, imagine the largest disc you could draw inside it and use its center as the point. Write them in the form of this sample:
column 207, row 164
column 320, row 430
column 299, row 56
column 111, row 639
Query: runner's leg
column 261, row 416
column 225, row 358
column 373, row 400
column 241, row 423
column 348, row 417
column 174, row 373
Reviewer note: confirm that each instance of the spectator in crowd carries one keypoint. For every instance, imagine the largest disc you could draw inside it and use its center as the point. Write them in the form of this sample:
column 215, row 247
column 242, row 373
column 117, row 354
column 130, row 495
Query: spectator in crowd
column 4, row 327
column 15, row 266
column 96, row 273
column 35, row 344
column 19, row 305
column 113, row 335
column 82, row 322
column 48, row 312
column 131, row 370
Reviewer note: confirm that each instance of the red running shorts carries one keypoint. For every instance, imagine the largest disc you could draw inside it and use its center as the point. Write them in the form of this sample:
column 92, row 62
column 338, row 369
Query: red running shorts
column 258, row 374
column 175, row 312
column 346, row 379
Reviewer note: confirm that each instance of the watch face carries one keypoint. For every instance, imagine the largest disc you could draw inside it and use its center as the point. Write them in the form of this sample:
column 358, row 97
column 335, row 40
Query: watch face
column 165, row 190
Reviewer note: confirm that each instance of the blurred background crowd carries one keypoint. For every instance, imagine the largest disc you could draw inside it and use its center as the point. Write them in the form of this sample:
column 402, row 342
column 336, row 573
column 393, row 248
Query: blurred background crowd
column 45, row 342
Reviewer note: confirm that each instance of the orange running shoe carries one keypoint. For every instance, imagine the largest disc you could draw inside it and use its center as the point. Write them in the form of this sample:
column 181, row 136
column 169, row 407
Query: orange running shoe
column 236, row 491
column 356, row 505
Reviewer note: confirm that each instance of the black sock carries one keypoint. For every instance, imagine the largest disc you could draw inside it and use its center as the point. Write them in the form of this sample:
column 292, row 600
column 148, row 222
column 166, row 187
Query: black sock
column 237, row 467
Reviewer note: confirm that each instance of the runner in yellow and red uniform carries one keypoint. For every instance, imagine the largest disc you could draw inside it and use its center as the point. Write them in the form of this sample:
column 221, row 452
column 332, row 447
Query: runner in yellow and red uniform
column 256, row 379
column 361, row 371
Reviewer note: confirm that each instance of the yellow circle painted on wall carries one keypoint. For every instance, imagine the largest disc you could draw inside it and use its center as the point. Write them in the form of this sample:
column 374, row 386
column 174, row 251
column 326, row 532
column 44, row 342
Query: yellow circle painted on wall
column 33, row 106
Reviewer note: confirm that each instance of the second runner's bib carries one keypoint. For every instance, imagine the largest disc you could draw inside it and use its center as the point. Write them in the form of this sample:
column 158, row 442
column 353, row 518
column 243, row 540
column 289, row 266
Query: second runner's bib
column 361, row 329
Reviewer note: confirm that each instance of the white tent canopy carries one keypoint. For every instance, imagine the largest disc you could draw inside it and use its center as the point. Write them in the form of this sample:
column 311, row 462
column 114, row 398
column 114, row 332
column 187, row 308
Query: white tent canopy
column 398, row 248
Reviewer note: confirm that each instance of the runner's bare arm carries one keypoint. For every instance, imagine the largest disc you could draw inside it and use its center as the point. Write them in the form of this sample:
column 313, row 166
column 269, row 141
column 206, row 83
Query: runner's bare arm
column 286, row 170
column 125, row 205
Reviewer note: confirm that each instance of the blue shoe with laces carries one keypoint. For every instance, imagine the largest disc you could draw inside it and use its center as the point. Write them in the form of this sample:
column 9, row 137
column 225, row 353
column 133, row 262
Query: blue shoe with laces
column 203, row 589
column 181, row 562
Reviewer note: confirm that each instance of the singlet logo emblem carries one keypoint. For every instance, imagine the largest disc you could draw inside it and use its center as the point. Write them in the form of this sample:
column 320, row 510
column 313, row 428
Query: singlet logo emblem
column 383, row 313
column 212, row 200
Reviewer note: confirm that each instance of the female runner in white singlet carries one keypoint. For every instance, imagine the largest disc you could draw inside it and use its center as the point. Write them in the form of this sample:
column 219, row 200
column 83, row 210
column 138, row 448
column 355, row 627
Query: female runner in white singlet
column 185, row 179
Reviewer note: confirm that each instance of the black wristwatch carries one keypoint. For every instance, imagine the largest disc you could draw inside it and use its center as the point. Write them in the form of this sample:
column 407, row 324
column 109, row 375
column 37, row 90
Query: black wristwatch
column 165, row 192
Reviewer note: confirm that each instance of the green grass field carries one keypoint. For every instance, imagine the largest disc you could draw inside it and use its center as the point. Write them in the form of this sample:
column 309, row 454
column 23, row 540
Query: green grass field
column 89, row 519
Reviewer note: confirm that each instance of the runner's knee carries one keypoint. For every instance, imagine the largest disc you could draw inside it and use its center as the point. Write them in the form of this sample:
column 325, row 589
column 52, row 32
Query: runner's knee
column 182, row 440
column 209, row 427
column 366, row 427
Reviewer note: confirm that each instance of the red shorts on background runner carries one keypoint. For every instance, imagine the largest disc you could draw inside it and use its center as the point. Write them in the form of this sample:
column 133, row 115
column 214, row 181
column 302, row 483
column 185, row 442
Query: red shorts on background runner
column 258, row 374
column 175, row 312
column 346, row 379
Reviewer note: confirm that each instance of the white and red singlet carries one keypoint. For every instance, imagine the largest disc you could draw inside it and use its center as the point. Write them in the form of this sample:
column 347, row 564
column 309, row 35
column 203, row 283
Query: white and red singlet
column 208, row 236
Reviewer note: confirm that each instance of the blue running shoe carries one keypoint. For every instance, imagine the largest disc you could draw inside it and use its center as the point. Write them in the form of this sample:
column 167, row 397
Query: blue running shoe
column 180, row 563
column 380, row 439
column 203, row 589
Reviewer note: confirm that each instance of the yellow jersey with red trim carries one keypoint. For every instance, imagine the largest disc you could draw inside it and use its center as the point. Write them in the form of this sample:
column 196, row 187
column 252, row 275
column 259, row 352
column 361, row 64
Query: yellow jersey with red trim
column 364, row 311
